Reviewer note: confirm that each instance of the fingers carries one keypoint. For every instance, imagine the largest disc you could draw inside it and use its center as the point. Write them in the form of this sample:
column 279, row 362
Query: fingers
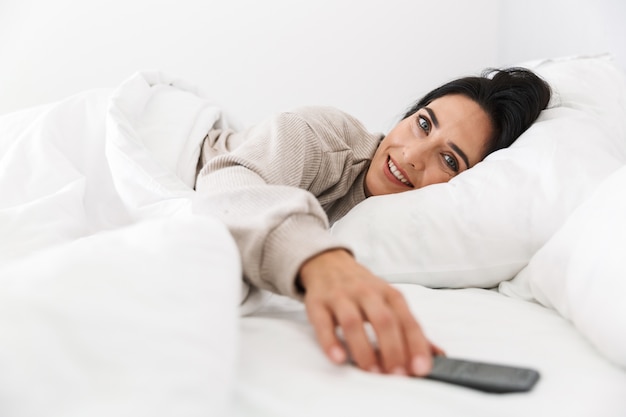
column 350, row 319
column 392, row 348
column 401, row 346
column 420, row 350
column 324, row 326
column 341, row 293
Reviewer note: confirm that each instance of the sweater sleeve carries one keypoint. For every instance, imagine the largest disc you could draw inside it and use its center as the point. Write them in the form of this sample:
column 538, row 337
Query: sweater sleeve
column 260, row 191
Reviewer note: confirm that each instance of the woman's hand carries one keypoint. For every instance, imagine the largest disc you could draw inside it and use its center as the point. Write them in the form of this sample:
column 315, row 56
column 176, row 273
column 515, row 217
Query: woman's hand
column 341, row 292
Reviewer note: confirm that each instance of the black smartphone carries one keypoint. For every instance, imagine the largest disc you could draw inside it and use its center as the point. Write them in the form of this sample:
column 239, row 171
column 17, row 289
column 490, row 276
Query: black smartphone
column 488, row 377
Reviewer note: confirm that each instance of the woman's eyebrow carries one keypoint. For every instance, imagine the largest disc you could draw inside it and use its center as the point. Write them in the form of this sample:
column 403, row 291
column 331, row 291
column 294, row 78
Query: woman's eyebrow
column 431, row 113
column 460, row 152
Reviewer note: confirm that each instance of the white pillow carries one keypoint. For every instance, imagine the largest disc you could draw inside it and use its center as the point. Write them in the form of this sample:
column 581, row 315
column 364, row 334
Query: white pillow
column 482, row 227
column 581, row 273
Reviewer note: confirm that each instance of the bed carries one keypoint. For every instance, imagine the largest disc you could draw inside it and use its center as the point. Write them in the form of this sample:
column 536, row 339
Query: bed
column 121, row 291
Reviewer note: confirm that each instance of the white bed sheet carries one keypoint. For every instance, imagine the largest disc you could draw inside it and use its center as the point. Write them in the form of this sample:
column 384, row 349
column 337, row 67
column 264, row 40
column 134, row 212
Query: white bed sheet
column 282, row 372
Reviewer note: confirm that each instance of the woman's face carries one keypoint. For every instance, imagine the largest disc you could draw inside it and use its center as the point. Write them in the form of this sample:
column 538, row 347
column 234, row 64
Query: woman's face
column 433, row 145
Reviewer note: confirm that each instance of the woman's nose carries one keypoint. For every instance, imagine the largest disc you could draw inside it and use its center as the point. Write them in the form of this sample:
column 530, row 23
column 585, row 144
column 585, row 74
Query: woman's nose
column 415, row 155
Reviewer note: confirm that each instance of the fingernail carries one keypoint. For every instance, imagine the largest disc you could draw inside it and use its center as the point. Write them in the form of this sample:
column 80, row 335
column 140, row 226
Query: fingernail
column 399, row 371
column 420, row 366
column 337, row 355
column 375, row 369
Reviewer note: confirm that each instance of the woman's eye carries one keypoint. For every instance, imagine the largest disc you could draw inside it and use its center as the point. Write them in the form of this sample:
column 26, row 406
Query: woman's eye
column 423, row 124
column 451, row 162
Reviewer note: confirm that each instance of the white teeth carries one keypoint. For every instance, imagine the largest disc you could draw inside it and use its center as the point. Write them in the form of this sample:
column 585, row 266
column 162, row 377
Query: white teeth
column 396, row 173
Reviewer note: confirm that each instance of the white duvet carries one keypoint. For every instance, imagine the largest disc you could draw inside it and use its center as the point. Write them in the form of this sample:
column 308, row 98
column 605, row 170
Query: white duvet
column 114, row 298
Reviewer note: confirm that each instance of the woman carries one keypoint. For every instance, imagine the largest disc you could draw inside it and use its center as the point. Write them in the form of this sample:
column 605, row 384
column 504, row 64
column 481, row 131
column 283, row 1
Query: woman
column 278, row 185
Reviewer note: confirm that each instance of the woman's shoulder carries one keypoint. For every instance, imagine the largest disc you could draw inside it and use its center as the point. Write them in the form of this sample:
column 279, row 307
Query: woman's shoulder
column 336, row 129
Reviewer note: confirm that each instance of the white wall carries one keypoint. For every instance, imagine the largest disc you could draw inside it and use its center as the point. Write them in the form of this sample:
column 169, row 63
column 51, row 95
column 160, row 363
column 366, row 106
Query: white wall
column 254, row 57
column 534, row 29
column 370, row 58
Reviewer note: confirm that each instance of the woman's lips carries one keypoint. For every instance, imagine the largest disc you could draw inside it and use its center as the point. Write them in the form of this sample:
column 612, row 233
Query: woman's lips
column 397, row 174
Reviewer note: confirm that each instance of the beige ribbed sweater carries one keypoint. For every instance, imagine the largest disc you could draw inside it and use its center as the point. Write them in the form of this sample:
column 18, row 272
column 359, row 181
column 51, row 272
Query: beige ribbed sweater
column 277, row 186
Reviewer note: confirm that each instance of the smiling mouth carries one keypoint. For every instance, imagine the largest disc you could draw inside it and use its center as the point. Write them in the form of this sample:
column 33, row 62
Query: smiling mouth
column 397, row 174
